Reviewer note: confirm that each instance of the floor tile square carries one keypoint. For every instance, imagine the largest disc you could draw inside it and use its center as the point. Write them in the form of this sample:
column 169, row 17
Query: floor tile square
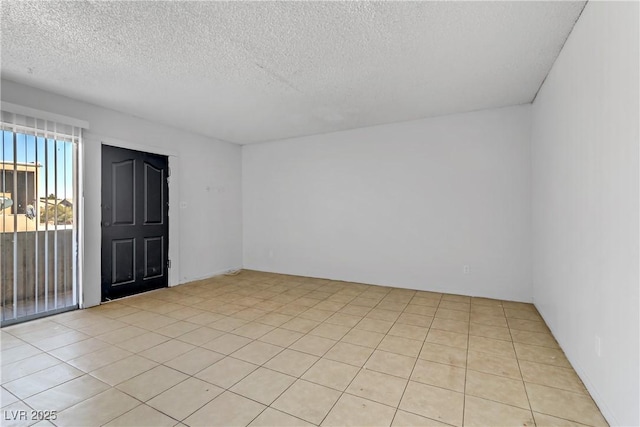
column 456, row 298
column 123, row 370
column 480, row 412
column 379, row 387
column 488, row 310
column 496, row 332
column 407, row 419
column 122, row 334
column 440, row 375
column 200, row 336
column 185, row 313
column 399, row 345
column 486, row 301
column 415, row 320
column 534, row 338
column 423, row 310
column 514, row 313
column 185, row 398
column 452, row 305
column 42, row 380
column 14, row 413
column 332, row 374
column 67, row 394
column 142, row 416
column 459, row 326
column 544, row 420
column 444, row 354
column 382, row 314
column 363, row 338
column 228, row 409
column 8, row 341
column 253, row 330
column 356, row 411
column 490, row 364
column 7, row 398
column 445, row 313
column 227, row 324
column 291, row 362
column 308, row 401
column 496, row 388
column 316, row 314
column 176, row 329
column 417, row 333
column 57, row 341
column 331, row 331
column 271, row 417
column 227, row 344
column 263, row 385
column 313, row 345
column 291, row 309
column 97, row 410
column 166, row 351
column 355, row 310
column 152, row 382
column 492, row 346
column 250, row 314
column 391, row 363
column 428, row 300
column 226, row 372
column 75, row 350
column 299, row 324
column 143, row 342
column 344, row 320
column 392, row 306
column 452, row 339
column 257, row 352
column 349, row 353
column 274, row 319
column 194, row 361
column 205, row 318
column 281, row 337
column 564, row 404
column 546, row 355
column 20, row 368
column 552, row 376
column 489, row 320
column 433, row 402
column 374, row 325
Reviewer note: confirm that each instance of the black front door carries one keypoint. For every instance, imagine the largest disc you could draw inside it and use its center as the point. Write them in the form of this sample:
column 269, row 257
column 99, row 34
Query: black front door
column 135, row 229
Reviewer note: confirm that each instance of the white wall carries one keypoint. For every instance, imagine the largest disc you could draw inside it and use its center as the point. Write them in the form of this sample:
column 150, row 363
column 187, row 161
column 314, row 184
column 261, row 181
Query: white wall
column 585, row 204
column 405, row 204
column 206, row 236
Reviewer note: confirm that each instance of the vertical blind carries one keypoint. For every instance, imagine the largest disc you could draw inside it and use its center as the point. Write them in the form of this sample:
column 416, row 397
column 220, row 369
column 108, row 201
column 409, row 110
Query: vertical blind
column 39, row 216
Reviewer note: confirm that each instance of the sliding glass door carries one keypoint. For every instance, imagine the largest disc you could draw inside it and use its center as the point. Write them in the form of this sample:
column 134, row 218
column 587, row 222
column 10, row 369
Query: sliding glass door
column 38, row 219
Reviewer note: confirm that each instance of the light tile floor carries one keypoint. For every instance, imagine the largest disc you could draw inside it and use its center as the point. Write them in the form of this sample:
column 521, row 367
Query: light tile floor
column 273, row 350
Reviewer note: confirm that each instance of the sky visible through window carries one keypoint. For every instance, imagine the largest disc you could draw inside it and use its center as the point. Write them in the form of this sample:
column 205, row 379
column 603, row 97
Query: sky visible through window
column 54, row 157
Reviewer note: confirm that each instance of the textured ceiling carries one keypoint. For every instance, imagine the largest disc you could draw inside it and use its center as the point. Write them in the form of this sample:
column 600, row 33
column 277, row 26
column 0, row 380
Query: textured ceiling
column 249, row 72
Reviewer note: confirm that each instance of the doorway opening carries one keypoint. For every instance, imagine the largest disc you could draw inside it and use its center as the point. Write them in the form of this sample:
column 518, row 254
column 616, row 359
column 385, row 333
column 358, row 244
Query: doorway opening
column 135, row 226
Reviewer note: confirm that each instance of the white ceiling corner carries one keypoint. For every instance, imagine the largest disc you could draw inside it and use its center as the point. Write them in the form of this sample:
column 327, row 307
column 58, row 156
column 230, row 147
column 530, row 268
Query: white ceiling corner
column 249, row 72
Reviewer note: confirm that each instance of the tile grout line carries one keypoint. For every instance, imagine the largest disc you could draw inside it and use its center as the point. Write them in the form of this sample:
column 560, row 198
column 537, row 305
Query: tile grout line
column 466, row 366
column 416, row 361
column 342, row 393
column 526, row 393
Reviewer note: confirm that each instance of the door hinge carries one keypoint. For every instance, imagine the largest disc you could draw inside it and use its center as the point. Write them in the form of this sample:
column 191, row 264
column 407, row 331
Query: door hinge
column 168, row 171
column 168, row 263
